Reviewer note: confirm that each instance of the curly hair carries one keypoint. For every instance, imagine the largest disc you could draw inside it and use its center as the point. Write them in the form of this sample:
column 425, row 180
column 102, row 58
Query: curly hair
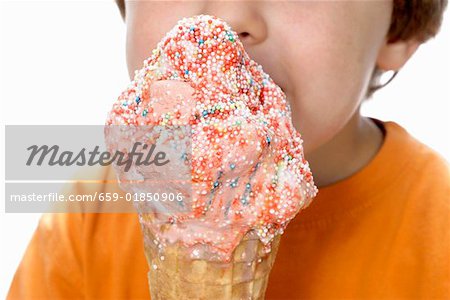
column 411, row 19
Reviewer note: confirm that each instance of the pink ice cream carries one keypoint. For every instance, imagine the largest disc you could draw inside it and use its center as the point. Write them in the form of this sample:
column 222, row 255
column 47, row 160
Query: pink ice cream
column 247, row 167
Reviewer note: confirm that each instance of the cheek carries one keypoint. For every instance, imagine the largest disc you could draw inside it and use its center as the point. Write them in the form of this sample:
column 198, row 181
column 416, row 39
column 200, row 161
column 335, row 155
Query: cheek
column 326, row 94
column 333, row 63
column 147, row 22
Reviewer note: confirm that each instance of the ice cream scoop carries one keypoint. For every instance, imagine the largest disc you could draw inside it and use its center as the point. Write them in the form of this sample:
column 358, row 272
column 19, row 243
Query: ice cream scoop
column 247, row 166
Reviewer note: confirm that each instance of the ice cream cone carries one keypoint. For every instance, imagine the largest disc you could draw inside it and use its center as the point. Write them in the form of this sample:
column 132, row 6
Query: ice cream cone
column 239, row 166
column 174, row 275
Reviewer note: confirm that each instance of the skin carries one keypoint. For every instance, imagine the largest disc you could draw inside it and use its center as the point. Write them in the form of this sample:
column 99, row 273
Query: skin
column 321, row 53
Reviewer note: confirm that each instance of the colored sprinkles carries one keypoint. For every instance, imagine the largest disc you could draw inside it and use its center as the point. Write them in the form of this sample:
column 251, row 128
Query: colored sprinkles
column 241, row 129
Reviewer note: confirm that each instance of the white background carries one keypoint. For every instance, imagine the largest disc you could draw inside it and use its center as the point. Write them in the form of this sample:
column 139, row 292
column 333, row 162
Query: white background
column 53, row 55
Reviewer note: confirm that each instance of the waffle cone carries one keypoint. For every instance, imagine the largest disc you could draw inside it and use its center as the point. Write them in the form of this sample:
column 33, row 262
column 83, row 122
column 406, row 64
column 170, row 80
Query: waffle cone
column 176, row 276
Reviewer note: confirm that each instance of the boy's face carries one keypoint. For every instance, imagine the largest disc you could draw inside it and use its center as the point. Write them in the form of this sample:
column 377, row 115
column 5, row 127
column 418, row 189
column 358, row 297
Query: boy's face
column 321, row 53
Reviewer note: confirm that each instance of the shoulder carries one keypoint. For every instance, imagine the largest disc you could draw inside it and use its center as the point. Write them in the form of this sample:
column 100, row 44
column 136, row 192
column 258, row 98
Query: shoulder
column 434, row 172
column 420, row 201
column 422, row 164
column 423, row 179
column 419, row 151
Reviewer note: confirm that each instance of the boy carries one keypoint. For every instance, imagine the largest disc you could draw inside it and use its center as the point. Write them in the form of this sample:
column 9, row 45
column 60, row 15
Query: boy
column 378, row 227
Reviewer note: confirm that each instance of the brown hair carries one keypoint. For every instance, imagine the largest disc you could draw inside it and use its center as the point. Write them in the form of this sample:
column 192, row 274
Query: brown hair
column 418, row 19
column 411, row 19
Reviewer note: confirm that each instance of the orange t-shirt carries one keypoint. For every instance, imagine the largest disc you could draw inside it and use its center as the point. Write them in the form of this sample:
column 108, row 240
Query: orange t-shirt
column 381, row 233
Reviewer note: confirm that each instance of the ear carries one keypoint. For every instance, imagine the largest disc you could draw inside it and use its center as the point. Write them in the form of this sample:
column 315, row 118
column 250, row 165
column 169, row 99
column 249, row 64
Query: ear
column 394, row 55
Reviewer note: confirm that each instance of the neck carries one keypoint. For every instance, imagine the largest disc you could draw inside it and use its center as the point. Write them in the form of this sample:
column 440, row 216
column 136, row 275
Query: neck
column 348, row 152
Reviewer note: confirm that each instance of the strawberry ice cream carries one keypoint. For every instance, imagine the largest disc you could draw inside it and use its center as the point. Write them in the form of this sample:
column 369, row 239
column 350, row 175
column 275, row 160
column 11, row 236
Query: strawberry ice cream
column 247, row 167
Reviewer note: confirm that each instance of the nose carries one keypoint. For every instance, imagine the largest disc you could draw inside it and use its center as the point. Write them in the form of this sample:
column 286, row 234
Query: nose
column 242, row 16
